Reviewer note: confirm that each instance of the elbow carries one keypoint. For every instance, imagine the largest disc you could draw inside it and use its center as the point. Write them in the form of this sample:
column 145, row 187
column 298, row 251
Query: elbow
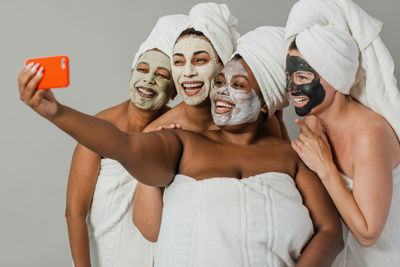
column 368, row 237
column 368, row 240
column 72, row 215
column 336, row 241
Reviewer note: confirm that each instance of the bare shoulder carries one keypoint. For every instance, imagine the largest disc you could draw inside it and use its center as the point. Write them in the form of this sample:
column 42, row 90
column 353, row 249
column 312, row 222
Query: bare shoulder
column 113, row 114
column 373, row 129
column 174, row 115
column 373, row 135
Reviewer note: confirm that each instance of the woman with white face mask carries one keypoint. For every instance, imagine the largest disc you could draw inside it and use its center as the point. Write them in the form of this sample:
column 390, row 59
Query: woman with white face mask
column 232, row 193
column 100, row 191
column 199, row 54
column 340, row 71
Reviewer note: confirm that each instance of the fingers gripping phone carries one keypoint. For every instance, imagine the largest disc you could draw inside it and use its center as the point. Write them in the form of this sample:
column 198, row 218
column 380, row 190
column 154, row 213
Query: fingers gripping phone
column 55, row 71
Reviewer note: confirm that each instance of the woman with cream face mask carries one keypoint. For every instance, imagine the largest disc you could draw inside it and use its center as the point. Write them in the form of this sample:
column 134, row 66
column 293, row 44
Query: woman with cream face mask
column 198, row 56
column 340, row 71
column 100, row 191
column 233, row 193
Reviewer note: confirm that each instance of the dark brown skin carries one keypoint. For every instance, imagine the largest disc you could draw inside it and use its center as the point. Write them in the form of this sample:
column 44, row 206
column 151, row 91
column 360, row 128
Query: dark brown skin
column 237, row 151
column 84, row 171
column 147, row 208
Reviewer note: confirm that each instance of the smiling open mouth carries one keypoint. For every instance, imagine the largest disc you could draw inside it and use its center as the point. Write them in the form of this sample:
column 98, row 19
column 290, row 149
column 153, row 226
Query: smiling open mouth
column 223, row 106
column 192, row 88
column 300, row 101
column 146, row 92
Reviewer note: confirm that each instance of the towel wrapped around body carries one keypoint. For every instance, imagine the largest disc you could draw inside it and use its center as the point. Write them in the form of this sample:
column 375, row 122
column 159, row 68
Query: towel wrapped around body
column 114, row 239
column 255, row 221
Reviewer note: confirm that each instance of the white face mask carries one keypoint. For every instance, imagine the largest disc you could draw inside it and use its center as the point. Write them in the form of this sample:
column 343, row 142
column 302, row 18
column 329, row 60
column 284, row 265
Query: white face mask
column 149, row 87
column 231, row 106
column 194, row 73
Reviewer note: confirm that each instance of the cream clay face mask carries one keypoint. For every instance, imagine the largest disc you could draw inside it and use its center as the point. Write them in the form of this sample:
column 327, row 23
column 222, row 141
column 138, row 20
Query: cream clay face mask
column 150, row 86
column 194, row 69
column 231, row 105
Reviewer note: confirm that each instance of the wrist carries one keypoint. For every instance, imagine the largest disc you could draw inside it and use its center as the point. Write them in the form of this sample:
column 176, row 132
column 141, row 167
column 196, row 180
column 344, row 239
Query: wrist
column 55, row 114
column 327, row 171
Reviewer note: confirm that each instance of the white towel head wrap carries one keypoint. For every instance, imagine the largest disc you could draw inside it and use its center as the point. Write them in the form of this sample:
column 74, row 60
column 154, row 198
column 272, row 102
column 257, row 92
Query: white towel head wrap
column 263, row 50
column 331, row 35
column 163, row 35
column 217, row 23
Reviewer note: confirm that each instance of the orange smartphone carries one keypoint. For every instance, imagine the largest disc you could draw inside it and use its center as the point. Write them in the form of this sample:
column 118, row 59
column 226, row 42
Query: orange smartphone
column 55, row 71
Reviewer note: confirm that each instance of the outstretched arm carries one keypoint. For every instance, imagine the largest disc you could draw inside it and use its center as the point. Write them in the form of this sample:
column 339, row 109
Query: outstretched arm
column 327, row 241
column 152, row 157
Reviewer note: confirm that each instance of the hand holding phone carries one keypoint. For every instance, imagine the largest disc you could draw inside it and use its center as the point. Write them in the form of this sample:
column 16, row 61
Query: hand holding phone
column 55, row 71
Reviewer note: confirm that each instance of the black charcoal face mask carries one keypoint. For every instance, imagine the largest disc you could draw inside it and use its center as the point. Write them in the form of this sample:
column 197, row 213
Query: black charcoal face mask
column 314, row 90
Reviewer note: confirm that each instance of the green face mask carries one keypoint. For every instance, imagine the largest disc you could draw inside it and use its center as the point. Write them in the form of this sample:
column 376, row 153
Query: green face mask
column 150, row 86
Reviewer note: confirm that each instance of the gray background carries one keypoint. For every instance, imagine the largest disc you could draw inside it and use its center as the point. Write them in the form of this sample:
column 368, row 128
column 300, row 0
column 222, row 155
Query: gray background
column 100, row 37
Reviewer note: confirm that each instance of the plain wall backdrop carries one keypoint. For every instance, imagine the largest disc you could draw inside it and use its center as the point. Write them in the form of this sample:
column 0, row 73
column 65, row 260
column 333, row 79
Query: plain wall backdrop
column 100, row 37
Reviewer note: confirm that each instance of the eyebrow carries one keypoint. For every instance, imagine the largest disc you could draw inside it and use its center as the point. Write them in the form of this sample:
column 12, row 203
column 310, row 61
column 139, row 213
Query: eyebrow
column 143, row 62
column 199, row 52
column 240, row 75
column 179, row 55
column 162, row 68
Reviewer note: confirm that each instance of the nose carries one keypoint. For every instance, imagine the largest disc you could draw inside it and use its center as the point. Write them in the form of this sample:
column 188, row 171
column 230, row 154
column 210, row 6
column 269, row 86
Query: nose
column 223, row 91
column 149, row 78
column 189, row 70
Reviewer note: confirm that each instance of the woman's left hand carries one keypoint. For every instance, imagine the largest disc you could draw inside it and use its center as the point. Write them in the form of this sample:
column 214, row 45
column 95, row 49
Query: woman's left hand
column 313, row 148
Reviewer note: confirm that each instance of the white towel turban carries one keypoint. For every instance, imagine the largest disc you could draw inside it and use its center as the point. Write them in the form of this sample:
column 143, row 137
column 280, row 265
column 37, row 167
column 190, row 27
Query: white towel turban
column 217, row 23
column 163, row 35
column 263, row 49
column 332, row 35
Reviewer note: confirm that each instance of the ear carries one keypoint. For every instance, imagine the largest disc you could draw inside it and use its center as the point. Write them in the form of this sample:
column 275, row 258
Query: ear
column 264, row 108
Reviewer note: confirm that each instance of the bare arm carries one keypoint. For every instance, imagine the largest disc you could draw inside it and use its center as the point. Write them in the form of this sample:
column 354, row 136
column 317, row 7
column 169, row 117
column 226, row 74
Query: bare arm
column 327, row 241
column 81, row 184
column 365, row 211
column 138, row 153
column 147, row 210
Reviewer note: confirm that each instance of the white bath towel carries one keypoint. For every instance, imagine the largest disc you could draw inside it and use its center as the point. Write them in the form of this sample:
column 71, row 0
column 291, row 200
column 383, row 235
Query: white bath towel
column 220, row 222
column 114, row 239
column 328, row 32
column 163, row 35
column 217, row 23
column 263, row 50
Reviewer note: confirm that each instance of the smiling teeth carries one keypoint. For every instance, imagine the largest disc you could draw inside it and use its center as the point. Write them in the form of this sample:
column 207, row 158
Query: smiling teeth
column 144, row 91
column 300, row 100
column 192, row 85
column 222, row 104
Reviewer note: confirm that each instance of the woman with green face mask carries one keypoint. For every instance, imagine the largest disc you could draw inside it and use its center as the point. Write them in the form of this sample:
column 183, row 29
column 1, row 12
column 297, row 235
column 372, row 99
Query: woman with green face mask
column 100, row 190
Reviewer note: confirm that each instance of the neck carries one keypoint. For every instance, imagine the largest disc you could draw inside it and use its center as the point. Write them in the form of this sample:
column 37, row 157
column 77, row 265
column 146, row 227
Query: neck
column 336, row 118
column 199, row 115
column 138, row 118
column 244, row 134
